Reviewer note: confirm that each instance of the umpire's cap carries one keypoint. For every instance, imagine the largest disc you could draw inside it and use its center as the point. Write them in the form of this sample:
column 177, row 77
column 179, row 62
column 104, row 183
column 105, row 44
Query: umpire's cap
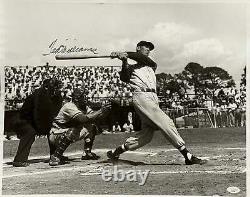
column 147, row 44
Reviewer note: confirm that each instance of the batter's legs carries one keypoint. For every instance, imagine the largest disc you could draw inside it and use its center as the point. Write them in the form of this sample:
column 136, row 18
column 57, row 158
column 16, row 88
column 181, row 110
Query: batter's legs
column 153, row 118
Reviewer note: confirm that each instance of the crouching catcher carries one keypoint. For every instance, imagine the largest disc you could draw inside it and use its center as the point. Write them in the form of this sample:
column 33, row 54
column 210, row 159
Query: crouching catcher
column 75, row 122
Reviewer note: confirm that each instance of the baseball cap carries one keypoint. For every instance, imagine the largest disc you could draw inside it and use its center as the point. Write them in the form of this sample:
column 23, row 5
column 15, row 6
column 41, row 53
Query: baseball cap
column 147, row 44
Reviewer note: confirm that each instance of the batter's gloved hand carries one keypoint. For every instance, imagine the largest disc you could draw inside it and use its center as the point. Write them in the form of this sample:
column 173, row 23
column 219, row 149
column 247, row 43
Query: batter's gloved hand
column 122, row 56
column 90, row 156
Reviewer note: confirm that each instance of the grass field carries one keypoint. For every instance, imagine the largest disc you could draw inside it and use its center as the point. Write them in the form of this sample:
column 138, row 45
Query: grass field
column 225, row 150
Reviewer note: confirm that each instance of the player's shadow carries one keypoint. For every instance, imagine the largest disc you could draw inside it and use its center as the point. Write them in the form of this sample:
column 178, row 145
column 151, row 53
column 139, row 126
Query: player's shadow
column 134, row 163
column 33, row 161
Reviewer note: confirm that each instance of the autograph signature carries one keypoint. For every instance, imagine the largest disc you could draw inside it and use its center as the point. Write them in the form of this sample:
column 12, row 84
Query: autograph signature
column 55, row 49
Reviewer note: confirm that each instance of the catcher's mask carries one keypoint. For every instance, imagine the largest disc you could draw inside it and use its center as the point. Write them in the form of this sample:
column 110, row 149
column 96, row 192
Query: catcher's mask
column 79, row 98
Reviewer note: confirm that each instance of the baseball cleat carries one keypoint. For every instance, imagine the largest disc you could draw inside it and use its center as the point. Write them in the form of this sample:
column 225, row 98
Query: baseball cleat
column 64, row 158
column 111, row 155
column 20, row 164
column 55, row 161
column 195, row 160
column 90, row 156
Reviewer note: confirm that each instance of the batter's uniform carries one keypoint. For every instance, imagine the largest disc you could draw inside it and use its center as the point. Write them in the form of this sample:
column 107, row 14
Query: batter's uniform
column 64, row 124
column 141, row 77
column 146, row 104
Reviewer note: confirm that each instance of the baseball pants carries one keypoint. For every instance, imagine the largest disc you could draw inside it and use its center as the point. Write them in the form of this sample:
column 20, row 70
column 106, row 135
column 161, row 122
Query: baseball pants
column 26, row 140
column 76, row 134
column 27, row 135
column 152, row 119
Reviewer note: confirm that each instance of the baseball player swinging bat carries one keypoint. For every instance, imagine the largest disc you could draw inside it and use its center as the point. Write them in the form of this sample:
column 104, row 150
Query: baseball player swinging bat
column 69, row 57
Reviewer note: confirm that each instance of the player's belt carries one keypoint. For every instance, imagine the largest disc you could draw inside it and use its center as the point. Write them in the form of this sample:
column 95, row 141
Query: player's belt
column 149, row 90
column 144, row 90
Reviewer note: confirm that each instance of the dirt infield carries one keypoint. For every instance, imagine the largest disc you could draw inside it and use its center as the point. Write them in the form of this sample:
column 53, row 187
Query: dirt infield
column 223, row 148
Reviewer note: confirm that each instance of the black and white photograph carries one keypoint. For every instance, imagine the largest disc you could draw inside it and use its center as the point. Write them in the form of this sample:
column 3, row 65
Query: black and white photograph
column 124, row 97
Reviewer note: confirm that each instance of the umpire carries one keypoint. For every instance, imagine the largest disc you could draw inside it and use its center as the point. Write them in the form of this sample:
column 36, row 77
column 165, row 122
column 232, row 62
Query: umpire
column 36, row 116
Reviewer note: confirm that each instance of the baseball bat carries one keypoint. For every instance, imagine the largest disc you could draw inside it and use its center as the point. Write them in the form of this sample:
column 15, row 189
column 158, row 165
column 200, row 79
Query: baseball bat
column 69, row 57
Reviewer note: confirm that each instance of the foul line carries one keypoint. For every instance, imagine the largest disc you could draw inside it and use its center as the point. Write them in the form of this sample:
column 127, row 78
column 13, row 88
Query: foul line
column 199, row 172
column 58, row 169
column 177, row 172
column 99, row 173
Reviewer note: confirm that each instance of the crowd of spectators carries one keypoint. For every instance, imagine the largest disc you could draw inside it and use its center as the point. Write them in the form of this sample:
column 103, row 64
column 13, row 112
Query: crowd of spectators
column 228, row 106
column 231, row 112
column 99, row 83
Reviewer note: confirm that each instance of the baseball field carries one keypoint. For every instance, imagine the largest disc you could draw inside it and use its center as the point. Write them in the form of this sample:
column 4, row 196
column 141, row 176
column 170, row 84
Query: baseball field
column 223, row 175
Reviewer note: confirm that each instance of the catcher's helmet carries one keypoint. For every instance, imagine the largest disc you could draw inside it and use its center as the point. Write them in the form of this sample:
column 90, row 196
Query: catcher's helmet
column 79, row 98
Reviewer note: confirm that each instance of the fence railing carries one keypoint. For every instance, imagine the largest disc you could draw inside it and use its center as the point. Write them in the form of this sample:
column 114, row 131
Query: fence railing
column 205, row 117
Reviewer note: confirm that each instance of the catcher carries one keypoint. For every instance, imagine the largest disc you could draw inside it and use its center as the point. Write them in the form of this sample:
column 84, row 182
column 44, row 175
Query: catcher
column 73, row 123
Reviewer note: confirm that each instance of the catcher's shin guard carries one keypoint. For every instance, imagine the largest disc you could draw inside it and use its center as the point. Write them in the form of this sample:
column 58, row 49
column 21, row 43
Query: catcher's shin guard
column 88, row 144
column 57, row 157
column 89, row 139
column 63, row 144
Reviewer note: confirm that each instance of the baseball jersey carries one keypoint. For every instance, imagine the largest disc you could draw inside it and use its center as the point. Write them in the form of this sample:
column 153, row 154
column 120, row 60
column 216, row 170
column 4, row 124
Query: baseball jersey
column 142, row 78
column 63, row 120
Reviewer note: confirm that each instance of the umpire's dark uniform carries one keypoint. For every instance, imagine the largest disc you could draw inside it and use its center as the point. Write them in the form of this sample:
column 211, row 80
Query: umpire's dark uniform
column 36, row 116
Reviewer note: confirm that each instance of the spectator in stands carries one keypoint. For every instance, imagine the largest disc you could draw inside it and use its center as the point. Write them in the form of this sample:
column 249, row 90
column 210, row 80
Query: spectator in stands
column 231, row 112
column 9, row 95
column 237, row 97
column 128, row 127
column 224, row 114
column 243, row 114
column 116, row 128
column 237, row 117
column 130, row 117
column 218, row 115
